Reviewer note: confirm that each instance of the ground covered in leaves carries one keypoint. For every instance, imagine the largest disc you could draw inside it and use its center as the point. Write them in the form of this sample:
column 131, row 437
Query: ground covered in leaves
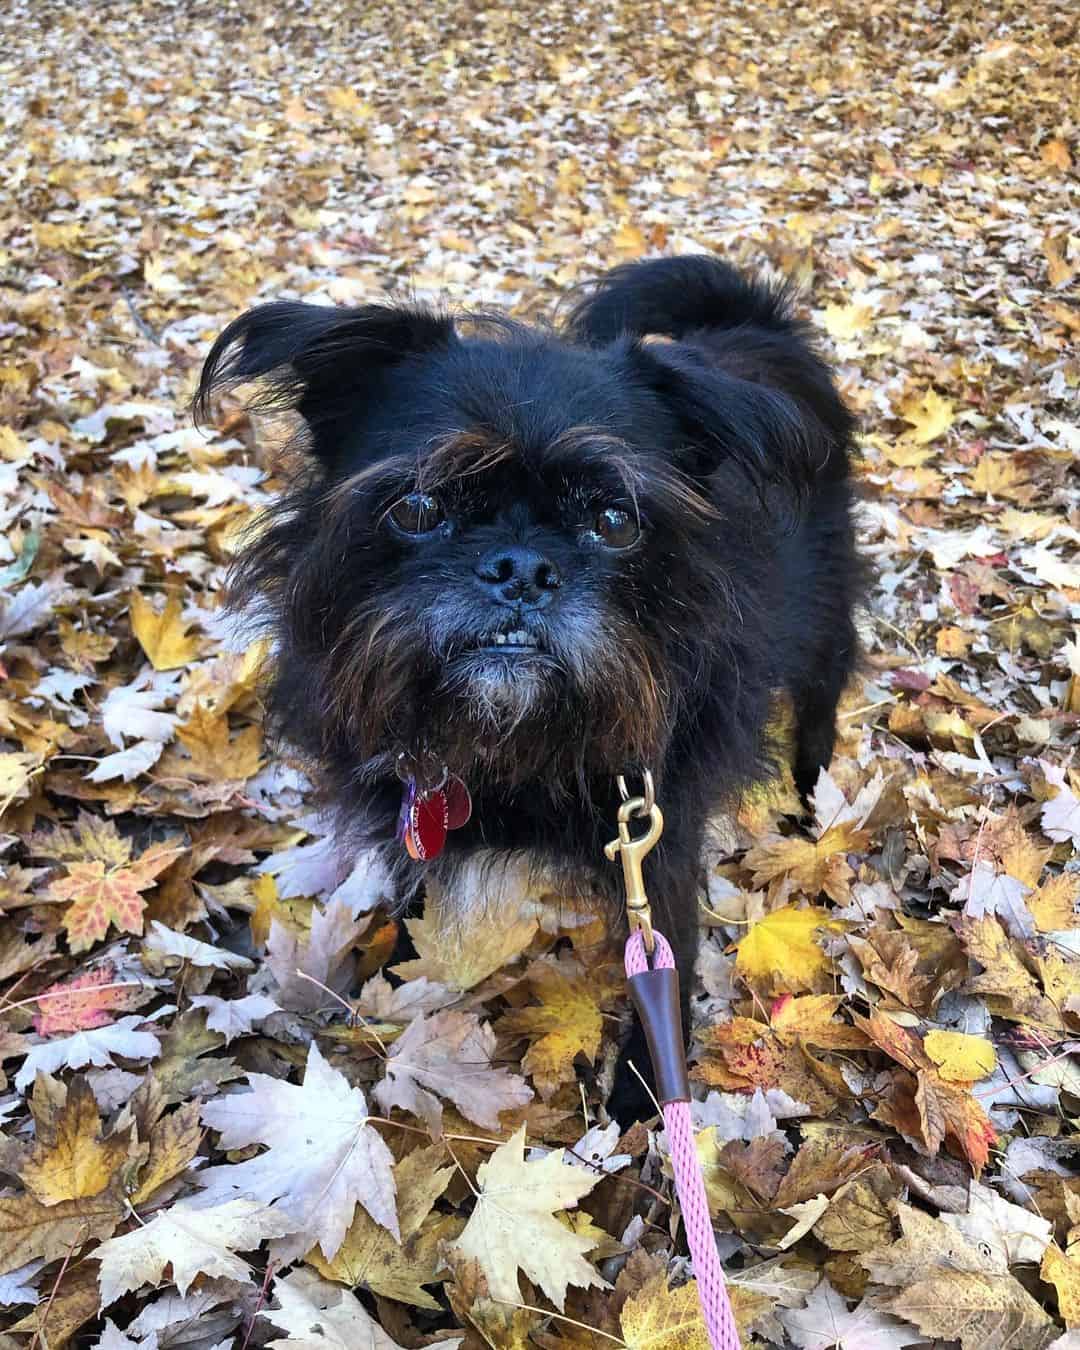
column 223, row 1125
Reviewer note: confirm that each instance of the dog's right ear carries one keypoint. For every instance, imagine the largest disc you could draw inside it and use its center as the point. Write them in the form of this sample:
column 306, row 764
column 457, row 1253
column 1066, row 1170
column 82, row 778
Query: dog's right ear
column 322, row 361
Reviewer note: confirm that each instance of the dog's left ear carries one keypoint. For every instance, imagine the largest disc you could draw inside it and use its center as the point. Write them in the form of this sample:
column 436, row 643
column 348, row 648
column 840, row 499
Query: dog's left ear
column 725, row 419
column 324, row 362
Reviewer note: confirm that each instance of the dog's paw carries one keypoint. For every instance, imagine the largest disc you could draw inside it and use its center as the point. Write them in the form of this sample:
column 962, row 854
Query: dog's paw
column 631, row 1099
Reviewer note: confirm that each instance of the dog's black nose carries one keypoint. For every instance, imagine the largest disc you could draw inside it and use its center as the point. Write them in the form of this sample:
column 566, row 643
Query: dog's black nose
column 517, row 575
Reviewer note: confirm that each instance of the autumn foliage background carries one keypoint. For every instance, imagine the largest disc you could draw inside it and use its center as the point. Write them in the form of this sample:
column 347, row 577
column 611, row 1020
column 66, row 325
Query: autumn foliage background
column 222, row 1124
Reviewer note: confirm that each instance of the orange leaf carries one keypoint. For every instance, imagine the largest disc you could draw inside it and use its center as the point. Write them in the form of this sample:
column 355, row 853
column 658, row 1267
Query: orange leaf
column 101, row 895
column 82, row 1003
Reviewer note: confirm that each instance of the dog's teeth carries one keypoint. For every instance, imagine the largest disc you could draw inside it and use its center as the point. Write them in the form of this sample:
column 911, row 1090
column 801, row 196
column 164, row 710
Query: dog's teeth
column 499, row 639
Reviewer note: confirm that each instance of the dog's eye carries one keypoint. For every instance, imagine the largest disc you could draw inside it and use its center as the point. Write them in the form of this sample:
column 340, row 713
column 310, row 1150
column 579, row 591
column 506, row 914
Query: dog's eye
column 418, row 513
column 615, row 528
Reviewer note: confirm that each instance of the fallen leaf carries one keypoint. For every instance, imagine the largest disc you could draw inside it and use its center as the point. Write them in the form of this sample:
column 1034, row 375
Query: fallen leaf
column 1005, row 979
column 69, row 1158
column 234, row 1016
column 1061, row 815
column 460, row 955
column 317, row 1314
column 306, row 967
column 213, row 755
column 29, row 1229
column 659, row 1318
column 781, row 952
column 174, row 1142
column 1007, row 1232
column 449, row 1054
column 95, row 1047
column 86, row 1001
column 100, row 895
column 163, row 636
column 1062, row 1270
column 371, row 1258
column 314, row 1176
column 960, row 1058
column 826, row 1321
column 951, row 1290
column 566, row 1023
column 191, row 1241
column 929, row 415
column 165, row 942
column 72, row 1302
column 513, row 1227
column 812, row 865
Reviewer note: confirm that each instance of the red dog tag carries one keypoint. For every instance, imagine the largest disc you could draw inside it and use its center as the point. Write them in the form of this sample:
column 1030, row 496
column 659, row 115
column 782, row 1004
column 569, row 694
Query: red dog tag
column 458, row 803
column 427, row 816
column 426, row 832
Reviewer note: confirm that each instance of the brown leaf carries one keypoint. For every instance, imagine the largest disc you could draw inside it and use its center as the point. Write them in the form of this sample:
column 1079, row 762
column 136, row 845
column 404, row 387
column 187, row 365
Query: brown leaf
column 449, row 1054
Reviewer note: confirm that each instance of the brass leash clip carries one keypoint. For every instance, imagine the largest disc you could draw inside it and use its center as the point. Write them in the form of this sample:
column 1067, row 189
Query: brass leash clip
column 632, row 852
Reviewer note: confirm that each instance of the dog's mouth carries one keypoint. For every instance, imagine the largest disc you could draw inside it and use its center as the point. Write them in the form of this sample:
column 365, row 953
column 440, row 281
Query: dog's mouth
column 516, row 642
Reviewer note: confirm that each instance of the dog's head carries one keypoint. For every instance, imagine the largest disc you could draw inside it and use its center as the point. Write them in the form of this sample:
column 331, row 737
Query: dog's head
column 529, row 551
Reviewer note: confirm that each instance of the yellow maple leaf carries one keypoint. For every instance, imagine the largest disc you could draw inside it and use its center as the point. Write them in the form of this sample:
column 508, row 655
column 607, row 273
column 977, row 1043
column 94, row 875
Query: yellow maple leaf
column 458, row 954
column 1063, row 1272
column 16, row 773
column 629, row 240
column 659, row 1318
column 163, row 637
column 513, row 1224
column 82, row 646
column 567, row 1023
column 89, row 837
column 999, row 475
column 293, row 913
column 205, row 736
column 1054, row 903
column 843, row 322
column 929, row 415
column 960, row 1058
column 812, row 865
column 229, row 679
column 781, row 954
column 810, row 1018
column 69, row 1159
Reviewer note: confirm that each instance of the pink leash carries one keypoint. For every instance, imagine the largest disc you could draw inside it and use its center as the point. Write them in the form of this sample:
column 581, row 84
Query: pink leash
column 689, row 1183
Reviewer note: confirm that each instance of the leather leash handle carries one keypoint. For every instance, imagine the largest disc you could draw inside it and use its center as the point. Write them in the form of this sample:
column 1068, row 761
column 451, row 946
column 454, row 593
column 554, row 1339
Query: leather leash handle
column 655, row 996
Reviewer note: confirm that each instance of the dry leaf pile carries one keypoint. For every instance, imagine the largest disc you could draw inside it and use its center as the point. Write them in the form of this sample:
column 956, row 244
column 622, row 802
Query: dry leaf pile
column 225, row 1121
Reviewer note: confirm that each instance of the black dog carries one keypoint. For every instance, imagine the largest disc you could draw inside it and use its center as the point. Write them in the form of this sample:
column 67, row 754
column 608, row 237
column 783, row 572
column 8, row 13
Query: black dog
column 538, row 559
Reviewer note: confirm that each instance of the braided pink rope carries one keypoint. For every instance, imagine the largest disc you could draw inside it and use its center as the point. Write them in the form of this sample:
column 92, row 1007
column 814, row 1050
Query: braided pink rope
column 689, row 1183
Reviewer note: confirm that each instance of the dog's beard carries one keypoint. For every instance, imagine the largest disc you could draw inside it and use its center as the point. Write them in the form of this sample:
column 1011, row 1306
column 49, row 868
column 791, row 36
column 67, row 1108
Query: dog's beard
column 592, row 698
column 499, row 695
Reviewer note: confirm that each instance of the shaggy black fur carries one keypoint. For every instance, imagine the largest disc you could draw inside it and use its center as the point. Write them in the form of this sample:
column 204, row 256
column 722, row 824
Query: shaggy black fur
column 726, row 444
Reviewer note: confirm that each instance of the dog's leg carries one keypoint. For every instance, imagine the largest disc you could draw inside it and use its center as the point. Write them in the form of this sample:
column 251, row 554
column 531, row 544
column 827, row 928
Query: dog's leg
column 674, row 883
column 815, row 713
